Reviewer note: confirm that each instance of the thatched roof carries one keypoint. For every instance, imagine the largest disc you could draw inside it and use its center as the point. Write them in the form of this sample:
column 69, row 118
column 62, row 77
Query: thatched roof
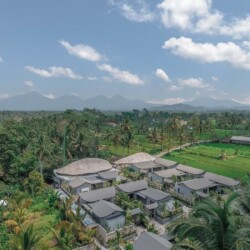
column 135, row 158
column 165, row 162
column 84, row 167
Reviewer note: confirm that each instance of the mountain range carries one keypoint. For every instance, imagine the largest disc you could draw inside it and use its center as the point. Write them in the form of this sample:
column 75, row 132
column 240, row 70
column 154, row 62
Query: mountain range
column 34, row 101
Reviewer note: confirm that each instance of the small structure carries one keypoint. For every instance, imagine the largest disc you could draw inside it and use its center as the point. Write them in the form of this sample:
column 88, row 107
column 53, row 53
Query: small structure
column 77, row 185
column 108, row 215
column 152, row 198
column 221, row 180
column 132, row 187
column 196, row 187
column 145, row 167
column 194, row 172
column 165, row 163
column 107, row 194
column 109, row 175
column 150, row 241
column 135, row 158
column 160, row 176
column 244, row 140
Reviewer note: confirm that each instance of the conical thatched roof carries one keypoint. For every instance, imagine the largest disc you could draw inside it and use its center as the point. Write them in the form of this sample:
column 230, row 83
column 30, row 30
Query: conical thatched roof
column 135, row 158
column 84, row 167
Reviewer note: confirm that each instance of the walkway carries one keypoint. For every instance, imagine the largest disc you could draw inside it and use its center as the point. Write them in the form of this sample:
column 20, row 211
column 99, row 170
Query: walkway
column 177, row 148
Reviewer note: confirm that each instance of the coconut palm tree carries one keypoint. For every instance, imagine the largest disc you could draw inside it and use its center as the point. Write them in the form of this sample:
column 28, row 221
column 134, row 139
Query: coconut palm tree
column 212, row 225
column 153, row 136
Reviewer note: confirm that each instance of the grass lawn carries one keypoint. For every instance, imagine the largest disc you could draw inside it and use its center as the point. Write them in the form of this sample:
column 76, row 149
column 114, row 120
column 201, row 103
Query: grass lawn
column 207, row 157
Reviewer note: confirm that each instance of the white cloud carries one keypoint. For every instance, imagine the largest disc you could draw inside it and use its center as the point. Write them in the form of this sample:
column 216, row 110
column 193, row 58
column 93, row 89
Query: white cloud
column 245, row 101
column 194, row 83
column 4, row 96
column 121, row 75
column 50, row 96
column 1, row 59
column 29, row 84
column 174, row 88
column 54, row 72
column 141, row 13
column 169, row 101
column 82, row 51
column 215, row 79
column 208, row 52
column 160, row 73
column 92, row 78
column 199, row 16
column 107, row 79
column 182, row 13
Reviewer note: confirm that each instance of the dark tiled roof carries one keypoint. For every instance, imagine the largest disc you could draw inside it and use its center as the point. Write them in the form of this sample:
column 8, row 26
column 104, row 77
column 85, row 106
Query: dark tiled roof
column 99, row 194
column 133, row 186
column 76, row 182
column 104, row 208
column 154, row 194
column 150, row 241
column 108, row 175
column 221, row 179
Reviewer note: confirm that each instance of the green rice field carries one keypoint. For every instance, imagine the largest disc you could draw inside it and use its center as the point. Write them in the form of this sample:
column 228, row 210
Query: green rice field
column 235, row 164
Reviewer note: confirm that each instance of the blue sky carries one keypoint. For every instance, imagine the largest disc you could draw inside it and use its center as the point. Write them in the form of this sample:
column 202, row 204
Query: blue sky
column 164, row 51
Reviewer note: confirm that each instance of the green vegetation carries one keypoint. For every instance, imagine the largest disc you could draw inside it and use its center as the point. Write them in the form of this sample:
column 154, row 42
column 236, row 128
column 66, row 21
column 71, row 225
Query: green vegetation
column 235, row 164
column 33, row 144
column 215, row 224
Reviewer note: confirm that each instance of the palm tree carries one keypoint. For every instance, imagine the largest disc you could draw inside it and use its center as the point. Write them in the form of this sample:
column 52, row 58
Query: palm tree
column 63, row 235
column 26, row 240
column 244, row 199
column 212, row 225
column 181, row 134
column 153, row 136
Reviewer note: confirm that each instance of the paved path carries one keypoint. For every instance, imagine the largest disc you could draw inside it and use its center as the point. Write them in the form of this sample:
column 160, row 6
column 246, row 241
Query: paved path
column 182, row 146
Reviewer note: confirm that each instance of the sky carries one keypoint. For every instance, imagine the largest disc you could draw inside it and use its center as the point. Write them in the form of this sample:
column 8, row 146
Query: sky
column 160, row 51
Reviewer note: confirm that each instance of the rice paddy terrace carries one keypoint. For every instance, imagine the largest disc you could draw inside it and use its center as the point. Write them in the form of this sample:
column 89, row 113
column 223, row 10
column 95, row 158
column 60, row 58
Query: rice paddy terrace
column 225, row 159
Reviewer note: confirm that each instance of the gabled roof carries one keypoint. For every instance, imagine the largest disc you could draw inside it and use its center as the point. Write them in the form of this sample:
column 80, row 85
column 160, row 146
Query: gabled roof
column 165, row 162
column 240, row 138
column 76, row 182
column 145, row 165
column 226, row 181
column 133, row 186
column 108, row 175
column 189, row 170
column 198, row 184
column 135, row 158
column 169, row 173
column 98, row 194
column 104, row 208
column 84, row 167
column 150, row 241
column 153, row 194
